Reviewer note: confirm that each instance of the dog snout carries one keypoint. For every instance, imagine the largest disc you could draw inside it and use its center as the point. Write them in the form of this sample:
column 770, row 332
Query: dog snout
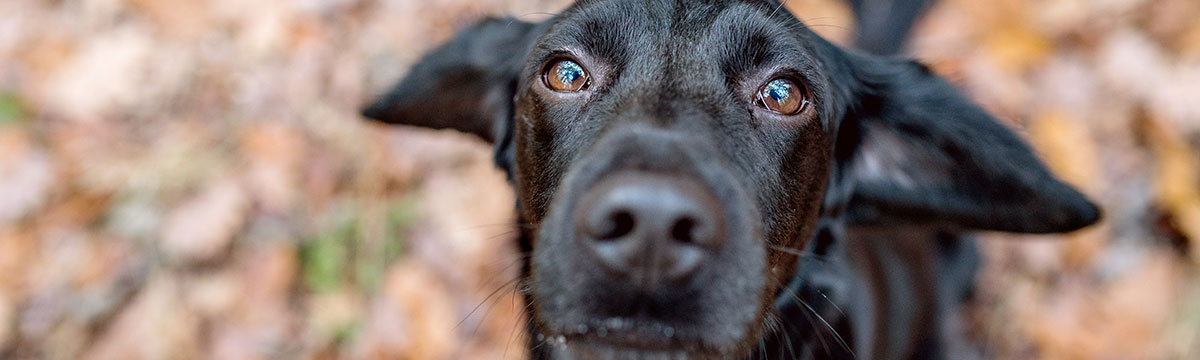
column 650, row 228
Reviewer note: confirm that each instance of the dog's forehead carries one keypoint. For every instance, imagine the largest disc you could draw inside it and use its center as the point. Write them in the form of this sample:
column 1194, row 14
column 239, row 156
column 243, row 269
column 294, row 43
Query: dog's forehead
column 677, row 5
column 614, row 28
column 713, row 38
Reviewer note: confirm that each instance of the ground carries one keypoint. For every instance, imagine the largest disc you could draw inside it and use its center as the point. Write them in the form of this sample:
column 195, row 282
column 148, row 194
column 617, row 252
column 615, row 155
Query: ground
column 190, row 179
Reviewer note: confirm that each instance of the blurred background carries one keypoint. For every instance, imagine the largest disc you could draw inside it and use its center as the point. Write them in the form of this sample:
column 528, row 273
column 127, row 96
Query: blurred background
column 186, row 179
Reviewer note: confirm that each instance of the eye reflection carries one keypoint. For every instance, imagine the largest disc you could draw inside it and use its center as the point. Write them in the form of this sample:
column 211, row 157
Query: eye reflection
column 782, row 96
column 569, row 72
column 566, row 76
column 779, row 90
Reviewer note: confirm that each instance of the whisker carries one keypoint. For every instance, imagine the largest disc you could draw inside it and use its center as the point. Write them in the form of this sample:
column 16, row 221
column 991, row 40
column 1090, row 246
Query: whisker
column 485, row 300
column 835, row 306
column 836, row 335
column 781, row 4
column 762, row 349
column 782, row 330
column 502, row 235
column 839, row 27
column 791, row 251
column 841, row 341
column 545, row 340
column 483, row 319
column 513, row 332
column 768, row 328
column 819, row 334
column 517, row 225
column 504, row 270
column 806, row 20
column 791, row 348
column 778, row 329
column 533, row 13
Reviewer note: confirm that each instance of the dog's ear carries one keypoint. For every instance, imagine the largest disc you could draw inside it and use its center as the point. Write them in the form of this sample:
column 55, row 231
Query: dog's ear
column 466, row 84
column 915, row 150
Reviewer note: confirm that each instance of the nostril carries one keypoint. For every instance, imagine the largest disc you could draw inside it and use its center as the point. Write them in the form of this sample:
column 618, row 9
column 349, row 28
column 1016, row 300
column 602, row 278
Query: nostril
column 684, row 230
column 648, row 228
column 620, row 224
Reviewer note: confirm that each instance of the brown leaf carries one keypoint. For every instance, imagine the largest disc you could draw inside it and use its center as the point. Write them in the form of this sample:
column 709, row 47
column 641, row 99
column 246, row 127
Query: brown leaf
column 7, row 319
column 214, row 295
column 426, row 312
column 1120, row 320
column 152, row 327
column 17, row 250
column 273, row 151
column 1067, row 147
column 331, row 315
column 104, row 75
column 202, row 228
column 1017, row 48
column 1178, row 179
column 259, row 322
column 25, row 176
column 185, row 19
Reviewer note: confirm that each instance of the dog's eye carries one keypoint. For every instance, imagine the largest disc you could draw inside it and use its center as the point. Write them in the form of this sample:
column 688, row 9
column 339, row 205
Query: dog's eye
column 566, row 76
column 782, row 96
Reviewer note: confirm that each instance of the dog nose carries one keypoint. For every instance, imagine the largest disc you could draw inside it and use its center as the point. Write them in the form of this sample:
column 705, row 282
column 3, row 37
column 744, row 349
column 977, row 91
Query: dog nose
column 649, row 227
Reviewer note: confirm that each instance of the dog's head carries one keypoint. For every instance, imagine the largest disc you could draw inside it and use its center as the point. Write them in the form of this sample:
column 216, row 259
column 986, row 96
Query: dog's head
column 672, row 158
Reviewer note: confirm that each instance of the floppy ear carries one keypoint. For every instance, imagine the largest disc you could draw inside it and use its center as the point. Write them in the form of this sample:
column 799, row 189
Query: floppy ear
column 467, row 85
column 917, row 151
column 883, row 25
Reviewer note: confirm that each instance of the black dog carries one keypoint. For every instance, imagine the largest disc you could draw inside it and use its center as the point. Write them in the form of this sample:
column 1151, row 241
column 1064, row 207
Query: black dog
column 710, row 179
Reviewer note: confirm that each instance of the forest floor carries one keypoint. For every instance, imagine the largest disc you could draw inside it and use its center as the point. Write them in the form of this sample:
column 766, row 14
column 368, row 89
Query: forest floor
column 191, row 179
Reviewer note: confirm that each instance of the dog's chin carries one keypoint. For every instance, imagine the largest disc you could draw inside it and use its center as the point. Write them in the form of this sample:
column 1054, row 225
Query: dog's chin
column 632, row 342
column 629, row 348
column 606, row 351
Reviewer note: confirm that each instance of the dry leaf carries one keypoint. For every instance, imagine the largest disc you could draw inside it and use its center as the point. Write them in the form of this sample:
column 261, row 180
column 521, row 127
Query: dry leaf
column 202, row 228
column 25, row 176
column 1017, row 48
column 274, row 152
column 1067, row 147
column 105, row 74
column 154, row 326
column 1178, row 180
column 183, row 19
column 427, row 311
column 259, row 322
column 7, row 320
column 179, row 127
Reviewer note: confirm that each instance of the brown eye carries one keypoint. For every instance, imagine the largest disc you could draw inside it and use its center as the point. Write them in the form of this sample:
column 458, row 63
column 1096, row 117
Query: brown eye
column 782, row 96
column 566, row 76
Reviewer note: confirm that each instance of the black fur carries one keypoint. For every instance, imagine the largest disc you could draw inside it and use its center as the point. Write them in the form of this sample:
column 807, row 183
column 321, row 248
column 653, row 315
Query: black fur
column 843, row 224
column 883, row 25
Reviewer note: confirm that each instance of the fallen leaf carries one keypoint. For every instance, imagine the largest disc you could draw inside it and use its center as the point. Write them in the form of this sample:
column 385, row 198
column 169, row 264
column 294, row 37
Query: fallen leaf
column 25, row 176
column 1178, row 180
column 105, row 74
column 426, row 309
column 1067, row 147
column 152, row 327
column 181, row 19
column 7, row 320
column 274, row 152
column 202, row 228
column 1017, row 48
